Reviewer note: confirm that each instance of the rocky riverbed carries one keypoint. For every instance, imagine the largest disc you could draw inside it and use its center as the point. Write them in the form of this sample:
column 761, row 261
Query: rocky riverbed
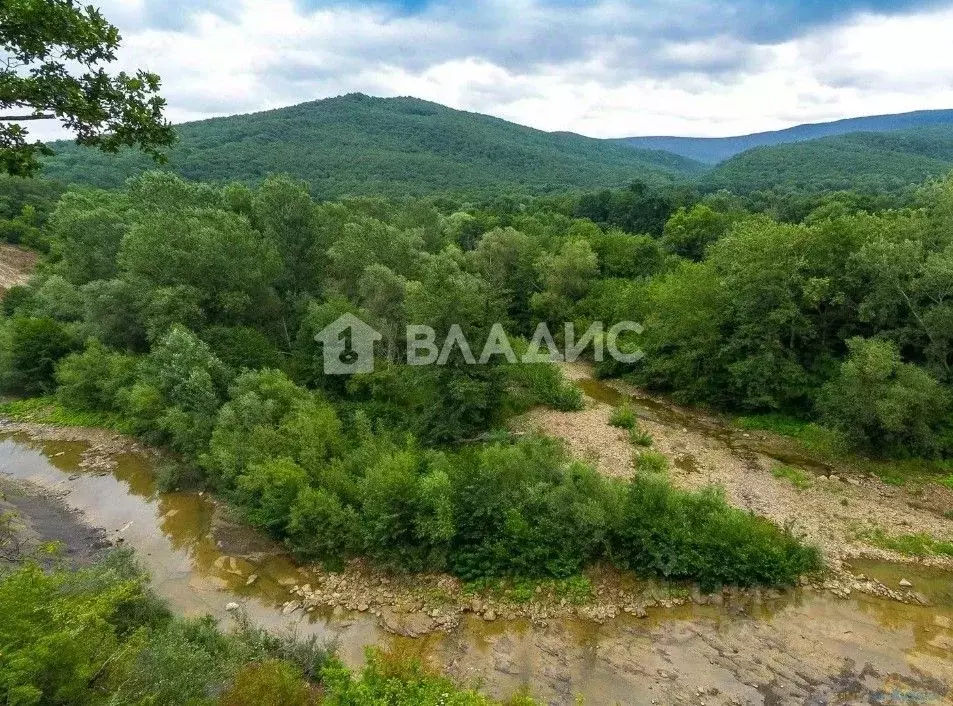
column 854, row 636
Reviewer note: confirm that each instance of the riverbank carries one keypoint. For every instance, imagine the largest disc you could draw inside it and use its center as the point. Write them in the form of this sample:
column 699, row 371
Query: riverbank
column 831, row 504
column 755, row 647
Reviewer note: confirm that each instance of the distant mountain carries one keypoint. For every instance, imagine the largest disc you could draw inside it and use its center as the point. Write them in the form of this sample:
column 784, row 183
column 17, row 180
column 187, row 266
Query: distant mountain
column 711, row 150
column 357, row 144
column 883, row 161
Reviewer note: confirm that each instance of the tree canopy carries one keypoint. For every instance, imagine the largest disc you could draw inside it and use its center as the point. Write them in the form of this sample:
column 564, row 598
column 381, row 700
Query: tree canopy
column 54, row 51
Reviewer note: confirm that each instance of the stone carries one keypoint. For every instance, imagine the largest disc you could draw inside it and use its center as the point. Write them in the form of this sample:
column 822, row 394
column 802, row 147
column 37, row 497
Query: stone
column 905, row 584
column 231, row 607
column 489, row 615
column 251, row 579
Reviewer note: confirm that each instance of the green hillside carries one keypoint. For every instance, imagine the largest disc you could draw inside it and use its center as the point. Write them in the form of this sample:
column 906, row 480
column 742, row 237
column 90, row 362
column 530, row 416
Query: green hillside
column 357, row 144
column 885, row 161
column 712, row 150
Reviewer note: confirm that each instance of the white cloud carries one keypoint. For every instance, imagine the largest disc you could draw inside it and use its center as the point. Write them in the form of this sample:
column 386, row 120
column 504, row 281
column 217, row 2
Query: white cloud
column 607, row 71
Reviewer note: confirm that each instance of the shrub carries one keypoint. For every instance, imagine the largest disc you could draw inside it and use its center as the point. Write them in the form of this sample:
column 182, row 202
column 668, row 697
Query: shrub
column 698, row 536
column 183, row 664
column 94, row 378
column 322, row 528
column 267, row 490
column 623, row 417
column 523, row 510
column 35, row 345
column 651, row 462
column 395, row 682
column 544, row 383
column 269, row 683
column 882, row 404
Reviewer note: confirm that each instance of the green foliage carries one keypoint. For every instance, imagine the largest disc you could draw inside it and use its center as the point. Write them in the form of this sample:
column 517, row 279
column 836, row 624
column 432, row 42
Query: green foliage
column 639, row 437
column 269, row 683
column 543, row 383
column 651, row 462
column 385, row 680
column 33, row 348
column 357, row 144
column 697, row 535
column 107, row 112
column 798, row 478
column 636, row 209
column 94, row 378
column 878, row 162
column 917, row 544
column 98, row 636
column 60, row 630
column 623, row 416
column 878, row 402
column 523, row 510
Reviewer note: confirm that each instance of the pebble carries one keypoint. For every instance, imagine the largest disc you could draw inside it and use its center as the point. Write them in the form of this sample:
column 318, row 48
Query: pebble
column 251, row 579
column 905, row 584
column 231, row 607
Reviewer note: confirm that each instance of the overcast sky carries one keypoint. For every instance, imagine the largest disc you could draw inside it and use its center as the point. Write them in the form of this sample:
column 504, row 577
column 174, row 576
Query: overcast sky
column 604, row 68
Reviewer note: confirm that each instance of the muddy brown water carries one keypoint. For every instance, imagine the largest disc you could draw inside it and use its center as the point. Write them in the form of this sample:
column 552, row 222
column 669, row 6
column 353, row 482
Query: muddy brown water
column 804, row 647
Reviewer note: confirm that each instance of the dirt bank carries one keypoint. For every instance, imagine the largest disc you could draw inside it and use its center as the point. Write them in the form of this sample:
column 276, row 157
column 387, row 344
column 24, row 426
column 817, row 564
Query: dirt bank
column 16, row 266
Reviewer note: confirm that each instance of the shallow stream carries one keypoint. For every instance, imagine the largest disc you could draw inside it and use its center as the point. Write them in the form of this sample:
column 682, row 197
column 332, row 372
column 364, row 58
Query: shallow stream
column 804, row 647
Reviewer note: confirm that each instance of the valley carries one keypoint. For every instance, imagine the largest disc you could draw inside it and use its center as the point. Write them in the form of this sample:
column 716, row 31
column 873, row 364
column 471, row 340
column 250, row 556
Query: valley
column 855, row 633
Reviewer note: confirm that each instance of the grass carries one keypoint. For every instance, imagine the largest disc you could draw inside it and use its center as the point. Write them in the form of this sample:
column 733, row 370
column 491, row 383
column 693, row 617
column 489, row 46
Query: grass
column 623, row 417
column 651, row 462
column 49, row 410
column 827, row 447
column 812, row 437
column 640, row 437
column 916, row 544
column 798, row 478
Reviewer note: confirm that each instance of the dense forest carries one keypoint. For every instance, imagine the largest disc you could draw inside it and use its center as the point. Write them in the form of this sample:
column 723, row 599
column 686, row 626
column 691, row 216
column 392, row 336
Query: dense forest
column 865, row 161
column 712, row 150
column 362, row 145
column 187, row 313
column 359, row 145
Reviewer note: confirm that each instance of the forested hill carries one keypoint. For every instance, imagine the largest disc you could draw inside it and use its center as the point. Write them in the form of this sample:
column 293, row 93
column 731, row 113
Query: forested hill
column 712, row 150
column 358, row 144
column 868, row 161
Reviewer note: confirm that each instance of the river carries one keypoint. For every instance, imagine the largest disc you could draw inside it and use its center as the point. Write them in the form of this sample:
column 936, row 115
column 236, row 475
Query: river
column 800, row 647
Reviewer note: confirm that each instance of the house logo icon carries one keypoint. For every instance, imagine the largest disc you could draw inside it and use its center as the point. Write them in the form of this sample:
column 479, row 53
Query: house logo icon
column 348, row 346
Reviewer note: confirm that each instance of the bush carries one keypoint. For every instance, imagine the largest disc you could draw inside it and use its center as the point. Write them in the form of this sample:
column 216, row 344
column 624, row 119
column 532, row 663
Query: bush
column 698, row 536
column 882, row 404
column 623, row 417
column 651, row 462
column 94, row 378
column 640, row 437
column 398, row 683
column 322, row 528
column 522, row 510
column 269, row 683
column 267, row 490
column 35, row 345
column 544, row 383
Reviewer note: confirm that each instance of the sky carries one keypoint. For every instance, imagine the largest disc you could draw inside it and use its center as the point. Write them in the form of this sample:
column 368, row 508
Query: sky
column 604, row 68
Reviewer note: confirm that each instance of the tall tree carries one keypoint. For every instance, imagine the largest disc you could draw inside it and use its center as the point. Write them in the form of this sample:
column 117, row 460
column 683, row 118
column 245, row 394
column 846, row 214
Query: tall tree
column 53, row 52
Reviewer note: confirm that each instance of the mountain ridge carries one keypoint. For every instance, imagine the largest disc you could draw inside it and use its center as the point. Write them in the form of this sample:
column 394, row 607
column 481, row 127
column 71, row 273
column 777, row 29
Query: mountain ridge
column 713, row 150
column 360, row 145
